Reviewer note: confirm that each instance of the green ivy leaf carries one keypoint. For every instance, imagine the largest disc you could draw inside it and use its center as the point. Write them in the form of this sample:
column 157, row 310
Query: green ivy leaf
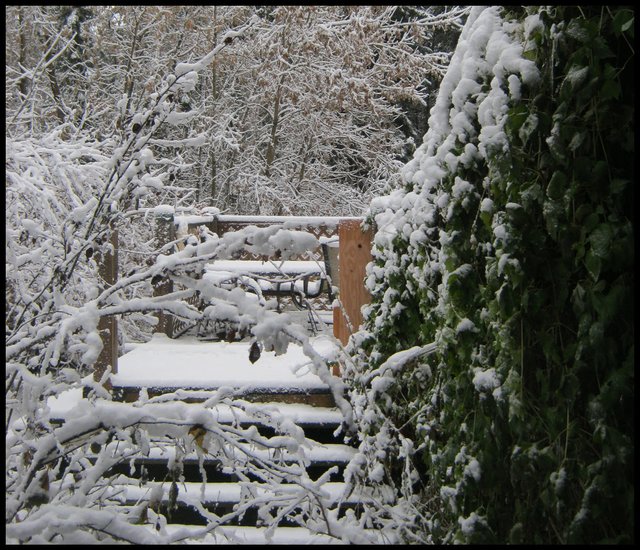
column 610, row 90
column 528, row 128
column 596, row 334
column 570, row 386
column 600, row 240
column 582, row 212
column 557, row 185
column 609, row 305
column 593, row 265
column 618, row 185
column 576, row 76
column 591, row 221
column 600, row 49
column 623, row 21
column 577, row 299
column 517, row 116
column 486, row 218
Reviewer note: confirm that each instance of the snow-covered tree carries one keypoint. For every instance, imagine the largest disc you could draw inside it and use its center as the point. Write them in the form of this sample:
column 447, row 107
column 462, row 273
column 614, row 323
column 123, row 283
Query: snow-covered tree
column 309, row 104
column 64, row 199
column 118, row 112
column 307, row 113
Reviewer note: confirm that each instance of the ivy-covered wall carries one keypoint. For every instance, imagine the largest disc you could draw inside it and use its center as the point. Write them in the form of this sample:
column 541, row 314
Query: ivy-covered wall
column 510, row 246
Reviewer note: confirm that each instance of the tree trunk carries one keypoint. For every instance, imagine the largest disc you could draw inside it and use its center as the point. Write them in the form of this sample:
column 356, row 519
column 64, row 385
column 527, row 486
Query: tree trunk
column 165, row 233
column 55, row 90
column 128, row 79
column 271, row 149
column 22, row 57
column 214, row 176
column 108, row 326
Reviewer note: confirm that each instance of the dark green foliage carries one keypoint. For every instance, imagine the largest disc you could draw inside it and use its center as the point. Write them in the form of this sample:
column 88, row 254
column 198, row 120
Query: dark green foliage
column 551, row 307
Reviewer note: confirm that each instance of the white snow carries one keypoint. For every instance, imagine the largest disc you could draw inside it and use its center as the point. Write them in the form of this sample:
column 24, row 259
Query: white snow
column 300, row 413
column 485, row 380
column 289, row 221
column 288, row 267
column 461, row 187
column 193, row 219
column 465, row 325
column 473, row 469
column 468, row 525
column 500, row 231
column 251, row 535
column 230, row 492
column 190, row 363
column 164, row 210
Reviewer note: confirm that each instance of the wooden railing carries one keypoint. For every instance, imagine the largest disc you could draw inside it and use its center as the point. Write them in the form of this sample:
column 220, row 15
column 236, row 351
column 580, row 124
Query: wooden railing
column 353, row 254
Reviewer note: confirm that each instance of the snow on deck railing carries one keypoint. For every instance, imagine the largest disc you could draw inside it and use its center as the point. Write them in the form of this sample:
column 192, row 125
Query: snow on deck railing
column 355, row 246
column 294, row 220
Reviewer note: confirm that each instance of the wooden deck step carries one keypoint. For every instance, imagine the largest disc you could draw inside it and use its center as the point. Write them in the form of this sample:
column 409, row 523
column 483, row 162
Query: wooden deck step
column 251, row 535
column 314, row 398
column 194, row 367
column 260, row 536
column 320, row 459
column 328, row 453
column 197, row 503
column 228, row 494
column 313, row 425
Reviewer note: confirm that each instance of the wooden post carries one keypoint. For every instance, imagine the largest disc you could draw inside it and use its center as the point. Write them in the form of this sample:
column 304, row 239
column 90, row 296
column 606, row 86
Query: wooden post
column 108, row 325
column 332, row 263
column 165, row 233
column 354, row 255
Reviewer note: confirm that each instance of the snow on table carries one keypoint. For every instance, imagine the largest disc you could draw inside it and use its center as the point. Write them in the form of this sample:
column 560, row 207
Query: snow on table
column 287, row 267
column 225, row 271
column 216, row 493
column 191, row 363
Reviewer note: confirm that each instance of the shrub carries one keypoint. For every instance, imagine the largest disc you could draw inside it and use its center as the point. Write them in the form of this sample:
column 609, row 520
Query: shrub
column 510, row 246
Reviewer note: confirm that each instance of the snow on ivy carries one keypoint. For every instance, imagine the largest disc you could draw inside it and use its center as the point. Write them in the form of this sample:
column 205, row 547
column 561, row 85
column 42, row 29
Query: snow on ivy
column 413, row 249
column 486, row 50
column 470, row 524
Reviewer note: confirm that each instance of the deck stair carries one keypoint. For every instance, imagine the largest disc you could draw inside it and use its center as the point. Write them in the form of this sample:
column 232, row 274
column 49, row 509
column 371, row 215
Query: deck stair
column 194, row 369
column 187, row 489
column 221, row 492
column 200, row 502
column 282, row 388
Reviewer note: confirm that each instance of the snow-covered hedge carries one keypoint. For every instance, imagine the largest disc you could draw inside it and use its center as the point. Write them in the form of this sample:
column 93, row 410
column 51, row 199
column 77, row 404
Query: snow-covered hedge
column 493, row 385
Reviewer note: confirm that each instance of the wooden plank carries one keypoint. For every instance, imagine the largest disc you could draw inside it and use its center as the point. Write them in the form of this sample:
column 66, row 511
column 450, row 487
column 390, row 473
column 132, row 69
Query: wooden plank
column 320, row 399
column 355, row 254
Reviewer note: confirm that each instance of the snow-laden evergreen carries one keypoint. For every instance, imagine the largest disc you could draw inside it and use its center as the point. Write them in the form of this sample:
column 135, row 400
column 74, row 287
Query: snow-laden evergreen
column 473, row 389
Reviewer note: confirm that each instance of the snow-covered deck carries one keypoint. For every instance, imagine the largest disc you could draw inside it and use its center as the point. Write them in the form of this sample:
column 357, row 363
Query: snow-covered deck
column 191, row 363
